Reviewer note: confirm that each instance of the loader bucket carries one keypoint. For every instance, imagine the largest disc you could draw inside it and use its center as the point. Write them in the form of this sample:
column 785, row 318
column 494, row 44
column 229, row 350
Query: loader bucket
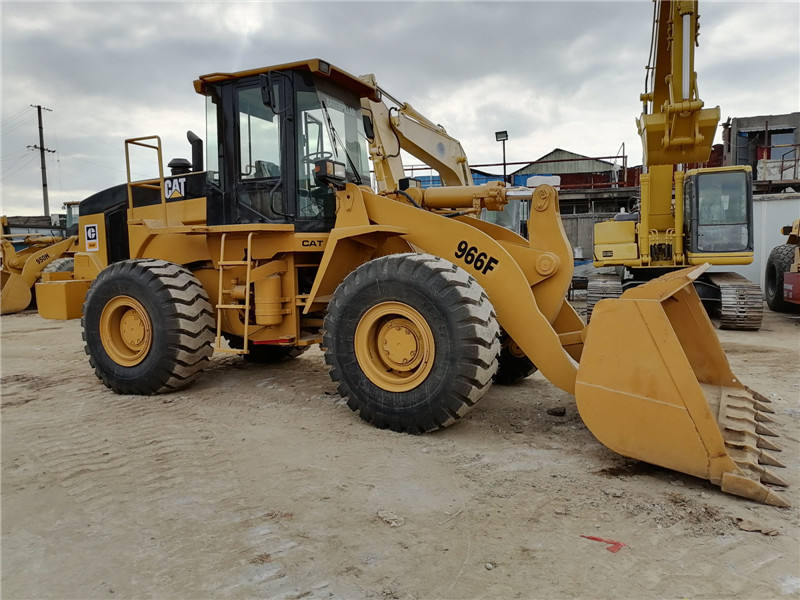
column 15, row 295
column 654, row 384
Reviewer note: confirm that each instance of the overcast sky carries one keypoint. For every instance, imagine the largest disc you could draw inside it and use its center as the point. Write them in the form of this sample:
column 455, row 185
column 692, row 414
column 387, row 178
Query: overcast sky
column 563, row 74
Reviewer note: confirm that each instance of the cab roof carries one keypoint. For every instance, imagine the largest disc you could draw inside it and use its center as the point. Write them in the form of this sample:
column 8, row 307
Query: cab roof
column 313, row 65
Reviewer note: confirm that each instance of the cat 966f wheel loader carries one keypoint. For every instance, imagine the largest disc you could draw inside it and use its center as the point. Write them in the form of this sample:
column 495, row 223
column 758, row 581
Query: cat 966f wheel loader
column 278, row 244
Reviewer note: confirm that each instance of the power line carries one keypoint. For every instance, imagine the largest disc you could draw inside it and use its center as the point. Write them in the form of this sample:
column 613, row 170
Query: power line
column 16, row 116
column 19, row 158
column 18, row 168
column 6, row 130
column 12, row 156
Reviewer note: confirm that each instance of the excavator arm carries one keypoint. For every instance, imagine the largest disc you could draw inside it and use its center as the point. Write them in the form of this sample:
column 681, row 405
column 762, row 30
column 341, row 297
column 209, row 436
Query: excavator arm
column 401, row 127
column 674, row 125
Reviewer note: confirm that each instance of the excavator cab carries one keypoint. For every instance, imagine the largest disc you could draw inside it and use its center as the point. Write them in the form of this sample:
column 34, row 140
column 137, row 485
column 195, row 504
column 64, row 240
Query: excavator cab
column 718, row 208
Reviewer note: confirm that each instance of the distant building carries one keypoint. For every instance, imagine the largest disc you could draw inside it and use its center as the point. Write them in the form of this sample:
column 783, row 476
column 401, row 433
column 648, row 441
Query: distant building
column 575, row 170
column 770, row 144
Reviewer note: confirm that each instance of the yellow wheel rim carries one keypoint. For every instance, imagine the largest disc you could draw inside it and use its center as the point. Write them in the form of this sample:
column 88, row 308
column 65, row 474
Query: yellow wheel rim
column 125, row 331
column 394, row 346
column 515, row 350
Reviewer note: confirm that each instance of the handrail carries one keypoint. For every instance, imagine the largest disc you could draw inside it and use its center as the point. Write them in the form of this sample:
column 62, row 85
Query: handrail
column 151, row 184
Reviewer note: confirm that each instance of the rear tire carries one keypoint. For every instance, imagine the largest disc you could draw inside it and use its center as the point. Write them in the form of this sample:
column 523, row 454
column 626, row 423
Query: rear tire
column 778, row 263
column 412, row 340
column 148, row 327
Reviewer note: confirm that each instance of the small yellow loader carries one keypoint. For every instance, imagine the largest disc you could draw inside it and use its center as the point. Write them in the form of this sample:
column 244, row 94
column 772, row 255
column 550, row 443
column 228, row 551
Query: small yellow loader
column 278, row 243
column 21, row 269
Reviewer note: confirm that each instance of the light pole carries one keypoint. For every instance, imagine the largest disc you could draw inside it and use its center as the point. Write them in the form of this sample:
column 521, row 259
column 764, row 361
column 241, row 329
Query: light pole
column 502, row 136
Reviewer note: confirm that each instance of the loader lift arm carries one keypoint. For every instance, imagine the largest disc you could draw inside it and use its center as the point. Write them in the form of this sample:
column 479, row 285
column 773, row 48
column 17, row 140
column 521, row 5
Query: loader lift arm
column 402, row 127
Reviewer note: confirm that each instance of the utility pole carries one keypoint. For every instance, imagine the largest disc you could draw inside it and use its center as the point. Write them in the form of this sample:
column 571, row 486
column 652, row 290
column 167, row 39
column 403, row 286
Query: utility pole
column 42, row 149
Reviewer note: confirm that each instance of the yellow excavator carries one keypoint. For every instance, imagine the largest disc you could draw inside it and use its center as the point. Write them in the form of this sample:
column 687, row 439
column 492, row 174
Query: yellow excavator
column 710, row 218
column 278, row 243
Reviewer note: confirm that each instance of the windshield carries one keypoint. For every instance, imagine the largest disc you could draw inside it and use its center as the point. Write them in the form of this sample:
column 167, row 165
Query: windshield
column 330, row 127
column 722, row 212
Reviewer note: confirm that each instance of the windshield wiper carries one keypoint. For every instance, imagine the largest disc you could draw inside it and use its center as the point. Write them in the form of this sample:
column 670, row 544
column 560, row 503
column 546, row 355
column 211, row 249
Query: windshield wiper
column 336, row 138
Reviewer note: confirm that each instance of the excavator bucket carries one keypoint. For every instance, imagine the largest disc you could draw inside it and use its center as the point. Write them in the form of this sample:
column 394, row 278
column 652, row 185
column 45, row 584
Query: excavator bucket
column 655, row 385
column 15, row 294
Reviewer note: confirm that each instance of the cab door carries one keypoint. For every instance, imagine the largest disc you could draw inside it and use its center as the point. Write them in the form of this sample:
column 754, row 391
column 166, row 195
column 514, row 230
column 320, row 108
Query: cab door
column 260, row 166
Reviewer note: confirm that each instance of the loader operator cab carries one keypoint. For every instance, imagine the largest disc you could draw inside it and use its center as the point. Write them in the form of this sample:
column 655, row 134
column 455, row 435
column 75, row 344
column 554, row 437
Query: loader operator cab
column 265, row 131
column 718, row 209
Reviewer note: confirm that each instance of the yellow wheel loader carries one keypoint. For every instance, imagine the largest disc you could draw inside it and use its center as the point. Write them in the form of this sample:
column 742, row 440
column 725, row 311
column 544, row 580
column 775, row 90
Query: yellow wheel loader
column 21, row 269
column 278, row 244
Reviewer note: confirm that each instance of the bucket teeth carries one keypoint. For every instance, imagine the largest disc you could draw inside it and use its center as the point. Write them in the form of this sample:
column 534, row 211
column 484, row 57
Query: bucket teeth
column 763, row 407
column 742, row 420
column 757, row 396
column 761, row 430
column 767, row 445
column 766, row 459
column 747, row 437
column 770, row 477
column 758, row 473
column 774, row 499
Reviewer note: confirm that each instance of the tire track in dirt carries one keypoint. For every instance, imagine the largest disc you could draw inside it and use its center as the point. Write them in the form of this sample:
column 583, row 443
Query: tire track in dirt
column 153, row 464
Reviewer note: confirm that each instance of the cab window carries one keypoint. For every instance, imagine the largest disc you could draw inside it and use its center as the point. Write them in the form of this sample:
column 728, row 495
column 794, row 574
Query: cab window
column 259, row 137
column 722, row 212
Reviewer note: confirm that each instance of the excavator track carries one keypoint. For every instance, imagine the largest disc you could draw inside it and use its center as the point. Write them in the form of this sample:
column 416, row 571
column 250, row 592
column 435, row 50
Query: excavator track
column 741, row 303
column 600, row 287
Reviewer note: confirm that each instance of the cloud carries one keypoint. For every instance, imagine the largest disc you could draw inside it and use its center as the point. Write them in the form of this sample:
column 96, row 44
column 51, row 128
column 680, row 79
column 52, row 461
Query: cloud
column 557, row 74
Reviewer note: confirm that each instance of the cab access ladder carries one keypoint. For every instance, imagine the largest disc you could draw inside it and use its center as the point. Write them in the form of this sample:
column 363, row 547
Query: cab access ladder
column 222, row 265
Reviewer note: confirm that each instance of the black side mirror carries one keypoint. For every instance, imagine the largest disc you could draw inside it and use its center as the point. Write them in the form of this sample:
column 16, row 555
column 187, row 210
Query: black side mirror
column 369, row 130
column 266, row 91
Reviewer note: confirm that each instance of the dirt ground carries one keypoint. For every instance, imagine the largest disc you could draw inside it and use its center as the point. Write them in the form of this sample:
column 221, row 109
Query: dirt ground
column 258, row 481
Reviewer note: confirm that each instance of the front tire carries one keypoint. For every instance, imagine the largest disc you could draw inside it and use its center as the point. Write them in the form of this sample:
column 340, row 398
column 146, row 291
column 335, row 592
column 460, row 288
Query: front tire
column 412, row 341
column 148, row 327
